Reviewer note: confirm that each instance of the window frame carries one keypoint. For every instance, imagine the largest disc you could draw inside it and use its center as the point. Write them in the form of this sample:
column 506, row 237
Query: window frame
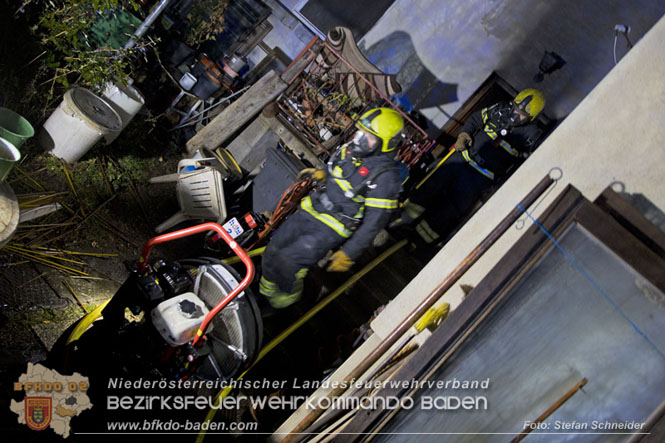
column 610, row 219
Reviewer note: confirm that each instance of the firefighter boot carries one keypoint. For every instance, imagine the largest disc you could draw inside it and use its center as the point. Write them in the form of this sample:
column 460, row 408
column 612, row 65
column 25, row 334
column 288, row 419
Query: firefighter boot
column 410, row 213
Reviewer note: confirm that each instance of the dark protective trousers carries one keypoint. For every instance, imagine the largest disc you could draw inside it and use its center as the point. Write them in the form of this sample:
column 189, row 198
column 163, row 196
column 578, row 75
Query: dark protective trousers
column 450, row 193
column 297, row 245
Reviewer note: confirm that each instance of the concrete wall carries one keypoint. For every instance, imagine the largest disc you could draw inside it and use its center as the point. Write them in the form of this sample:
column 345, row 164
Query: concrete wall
column 287, row 33
column 450, row 47
column 615, row 135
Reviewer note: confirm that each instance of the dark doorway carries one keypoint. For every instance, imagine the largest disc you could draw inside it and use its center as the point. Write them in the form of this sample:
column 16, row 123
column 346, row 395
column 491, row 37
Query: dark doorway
column 359, row 16
column 493, row 90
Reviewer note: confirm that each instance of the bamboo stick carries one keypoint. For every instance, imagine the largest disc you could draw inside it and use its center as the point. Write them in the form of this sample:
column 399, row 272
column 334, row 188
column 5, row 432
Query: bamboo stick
column 32, row 203
column 47, row 225
column 64, row 251
column 18, row 263
column 26, row 175
column 71, row 185
column 20, row 178
column 40, row 260
column 46, row 262
column 31, row 280
column 80, row 224
column 107, row 182
column 46, row 255
column 68, row 286
column 135, row 192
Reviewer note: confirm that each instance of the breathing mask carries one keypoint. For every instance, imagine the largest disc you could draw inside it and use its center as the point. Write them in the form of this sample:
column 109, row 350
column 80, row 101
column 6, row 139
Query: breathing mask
column 360, row 144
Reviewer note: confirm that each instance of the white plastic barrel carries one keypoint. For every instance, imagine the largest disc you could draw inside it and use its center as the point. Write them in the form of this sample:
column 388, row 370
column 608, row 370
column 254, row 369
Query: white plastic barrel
column 79, row 122
column 127, row 102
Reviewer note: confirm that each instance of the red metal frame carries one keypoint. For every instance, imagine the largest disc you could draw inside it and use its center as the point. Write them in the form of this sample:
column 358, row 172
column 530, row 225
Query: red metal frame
column 307, row 107
column 235, row 247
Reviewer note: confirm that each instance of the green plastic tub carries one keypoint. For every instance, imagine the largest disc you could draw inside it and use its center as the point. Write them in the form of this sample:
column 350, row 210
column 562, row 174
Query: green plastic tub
column 14, row 128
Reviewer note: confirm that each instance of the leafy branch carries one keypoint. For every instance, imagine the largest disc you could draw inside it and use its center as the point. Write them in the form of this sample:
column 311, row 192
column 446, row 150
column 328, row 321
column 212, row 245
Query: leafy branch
column 205, row 20
column 63, row 29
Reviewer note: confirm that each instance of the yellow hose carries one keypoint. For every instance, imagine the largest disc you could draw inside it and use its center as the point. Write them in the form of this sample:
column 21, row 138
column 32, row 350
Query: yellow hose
column 236, row 259
column 86, row 321
column 288, row 331
column 437, row 167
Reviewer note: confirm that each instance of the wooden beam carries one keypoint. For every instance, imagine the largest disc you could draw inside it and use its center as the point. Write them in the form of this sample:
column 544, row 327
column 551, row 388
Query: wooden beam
column 265, row 90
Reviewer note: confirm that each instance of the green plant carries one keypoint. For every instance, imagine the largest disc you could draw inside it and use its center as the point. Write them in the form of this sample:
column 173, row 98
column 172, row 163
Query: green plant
column 205, row 20
column 63, row 27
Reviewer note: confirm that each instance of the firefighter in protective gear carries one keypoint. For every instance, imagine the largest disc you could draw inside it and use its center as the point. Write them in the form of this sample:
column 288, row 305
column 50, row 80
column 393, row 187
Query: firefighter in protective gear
column 360, row 191
column 491, row 143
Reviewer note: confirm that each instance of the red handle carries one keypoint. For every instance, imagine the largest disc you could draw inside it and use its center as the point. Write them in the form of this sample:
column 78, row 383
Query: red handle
column 235, row 247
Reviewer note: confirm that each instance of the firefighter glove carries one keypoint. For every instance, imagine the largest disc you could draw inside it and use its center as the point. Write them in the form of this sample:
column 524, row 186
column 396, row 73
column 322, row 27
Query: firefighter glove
column 318, row 175
column 464, row 140
column 340, row 262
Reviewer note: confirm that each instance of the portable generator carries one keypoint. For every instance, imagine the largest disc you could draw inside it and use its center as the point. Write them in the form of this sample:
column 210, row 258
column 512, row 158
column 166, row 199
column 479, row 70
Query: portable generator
column 193, row 318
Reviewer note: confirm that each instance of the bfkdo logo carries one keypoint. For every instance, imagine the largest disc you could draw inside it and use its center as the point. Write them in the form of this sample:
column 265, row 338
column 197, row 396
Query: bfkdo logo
column 51, row 399
column 38, row 412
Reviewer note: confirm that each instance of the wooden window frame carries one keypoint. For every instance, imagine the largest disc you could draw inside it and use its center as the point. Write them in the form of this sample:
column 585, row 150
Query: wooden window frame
column 611, row 220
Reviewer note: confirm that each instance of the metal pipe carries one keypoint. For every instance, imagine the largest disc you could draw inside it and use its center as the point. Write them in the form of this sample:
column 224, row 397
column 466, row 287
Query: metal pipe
column 149, row 20
column 648, row 424
column 429, row 301
column 190, row 121
column 542, row 417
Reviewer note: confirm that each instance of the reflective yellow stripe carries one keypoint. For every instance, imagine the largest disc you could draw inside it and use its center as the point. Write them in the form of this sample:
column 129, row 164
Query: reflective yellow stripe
column 266, row 287
column 509, row 149
column 345, row 185
column 279, row 299
column 326, row 219
column 489, row 131
column 493, row 135
column 361, row 213
column 413, row 210
column 381, row 203
column 426, row 232
column 504, row 144
column 486, row 172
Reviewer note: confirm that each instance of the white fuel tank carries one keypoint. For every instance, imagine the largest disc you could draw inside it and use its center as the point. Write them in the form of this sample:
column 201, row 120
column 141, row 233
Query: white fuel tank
column 177, row 319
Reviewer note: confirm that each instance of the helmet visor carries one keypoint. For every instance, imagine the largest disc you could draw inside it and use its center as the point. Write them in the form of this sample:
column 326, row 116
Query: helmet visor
column 363, row 143
column 366, row 121
column 519, row 114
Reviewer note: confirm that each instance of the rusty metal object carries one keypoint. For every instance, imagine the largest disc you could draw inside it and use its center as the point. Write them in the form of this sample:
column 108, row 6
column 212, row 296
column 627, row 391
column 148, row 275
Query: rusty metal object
column 550, row 410
column 319, row 103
